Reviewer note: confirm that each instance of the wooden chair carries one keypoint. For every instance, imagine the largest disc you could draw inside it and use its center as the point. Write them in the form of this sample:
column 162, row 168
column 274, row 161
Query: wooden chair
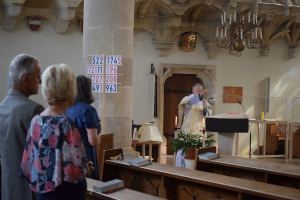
column 105, row 155
column 272, row 137
column 296, row 144
column 107, row 142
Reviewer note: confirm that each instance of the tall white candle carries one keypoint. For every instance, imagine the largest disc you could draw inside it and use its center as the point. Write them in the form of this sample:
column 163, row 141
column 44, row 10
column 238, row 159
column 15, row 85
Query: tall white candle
column 253, row 18
column 248, row 17
column 234, row 17
column 217, row 32
column 222, row 19
column 252, row 32
column 243, row 19
column 256, row 18
column 176, row 121
column 261, row 34
column 230, row 19
column 255, row 33
column 241, row 33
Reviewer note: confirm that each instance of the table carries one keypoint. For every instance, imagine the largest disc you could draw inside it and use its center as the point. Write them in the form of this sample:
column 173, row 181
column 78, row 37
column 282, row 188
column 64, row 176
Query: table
column 135, row 142
column 265, row 122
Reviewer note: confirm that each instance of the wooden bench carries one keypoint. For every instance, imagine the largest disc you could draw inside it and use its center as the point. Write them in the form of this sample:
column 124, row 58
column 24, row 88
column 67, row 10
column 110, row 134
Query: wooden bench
column 122, row 193
column 171, row 182
column 251, row 169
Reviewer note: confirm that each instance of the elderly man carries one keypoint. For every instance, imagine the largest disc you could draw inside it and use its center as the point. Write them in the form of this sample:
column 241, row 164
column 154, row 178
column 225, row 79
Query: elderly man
column 16, row 112
column 191, row 111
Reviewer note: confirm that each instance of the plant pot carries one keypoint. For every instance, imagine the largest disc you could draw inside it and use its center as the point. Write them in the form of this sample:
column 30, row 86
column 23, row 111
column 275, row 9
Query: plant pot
column 190, row 154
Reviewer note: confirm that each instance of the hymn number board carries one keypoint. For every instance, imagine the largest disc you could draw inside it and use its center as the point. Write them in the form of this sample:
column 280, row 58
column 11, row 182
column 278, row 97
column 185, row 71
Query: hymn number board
column 97, row 71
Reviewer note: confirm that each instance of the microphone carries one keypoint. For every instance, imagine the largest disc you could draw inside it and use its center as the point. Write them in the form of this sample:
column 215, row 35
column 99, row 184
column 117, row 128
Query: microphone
column 239, row 102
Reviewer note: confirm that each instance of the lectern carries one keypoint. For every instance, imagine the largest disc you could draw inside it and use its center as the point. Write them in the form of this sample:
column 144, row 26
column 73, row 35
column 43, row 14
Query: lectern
column 228, row 126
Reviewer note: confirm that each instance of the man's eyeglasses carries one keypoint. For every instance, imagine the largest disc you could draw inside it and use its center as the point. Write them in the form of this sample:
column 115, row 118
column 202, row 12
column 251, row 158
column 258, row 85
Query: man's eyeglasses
column 39, row 77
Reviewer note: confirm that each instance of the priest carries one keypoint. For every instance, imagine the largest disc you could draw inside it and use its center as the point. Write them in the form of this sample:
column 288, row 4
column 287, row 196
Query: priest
column 191, row 111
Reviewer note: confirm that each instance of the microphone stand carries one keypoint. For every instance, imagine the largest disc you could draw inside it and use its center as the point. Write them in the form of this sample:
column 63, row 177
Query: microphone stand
column 248, row 127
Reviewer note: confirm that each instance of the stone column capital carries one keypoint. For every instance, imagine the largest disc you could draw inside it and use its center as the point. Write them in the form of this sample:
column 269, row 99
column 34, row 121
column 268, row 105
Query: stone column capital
column 212, row 49
column 162, row 46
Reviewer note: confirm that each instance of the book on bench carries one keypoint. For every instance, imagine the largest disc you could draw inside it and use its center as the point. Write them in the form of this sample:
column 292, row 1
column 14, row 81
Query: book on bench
column 208, row 156
column 139, row 162
column 109, row 185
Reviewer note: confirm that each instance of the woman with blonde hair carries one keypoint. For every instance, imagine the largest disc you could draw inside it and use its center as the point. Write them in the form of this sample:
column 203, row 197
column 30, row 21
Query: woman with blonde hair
column 54, row 160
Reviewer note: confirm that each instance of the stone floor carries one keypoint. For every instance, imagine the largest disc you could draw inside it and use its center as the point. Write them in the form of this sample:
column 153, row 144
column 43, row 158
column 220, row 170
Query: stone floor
column 169, row 160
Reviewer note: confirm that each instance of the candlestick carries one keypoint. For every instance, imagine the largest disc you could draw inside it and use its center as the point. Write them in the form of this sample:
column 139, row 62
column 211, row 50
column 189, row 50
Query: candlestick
column 221, row 33
column 203, row 138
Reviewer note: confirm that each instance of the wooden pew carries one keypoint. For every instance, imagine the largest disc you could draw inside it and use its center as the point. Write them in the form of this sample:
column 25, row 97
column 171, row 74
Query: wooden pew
column 251, row 169
column 122, row 193
column 171, row 182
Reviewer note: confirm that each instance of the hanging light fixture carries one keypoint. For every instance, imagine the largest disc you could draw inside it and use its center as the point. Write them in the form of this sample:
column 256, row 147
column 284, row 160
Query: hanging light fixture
column 239, row 33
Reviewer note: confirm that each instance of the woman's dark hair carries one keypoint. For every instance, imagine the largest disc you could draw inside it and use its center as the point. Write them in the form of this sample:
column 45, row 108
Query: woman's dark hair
column 84, row 87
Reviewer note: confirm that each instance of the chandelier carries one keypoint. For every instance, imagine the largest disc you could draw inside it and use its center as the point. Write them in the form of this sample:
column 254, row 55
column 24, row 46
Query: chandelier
column 238, row 32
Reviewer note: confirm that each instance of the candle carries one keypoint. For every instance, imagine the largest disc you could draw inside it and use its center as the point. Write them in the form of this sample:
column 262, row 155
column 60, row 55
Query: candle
column 203, row 123
column 241, row 33
column 243, row 18
column 261, row 37
column 222, row 19
column 176, row 122
column 252, row 34
column 234, row 17
column 255, row 33
column 217, row 32
column 248, row 17
column 253, row 18
column 225, row 32
column 230, row 19
column 256, row 18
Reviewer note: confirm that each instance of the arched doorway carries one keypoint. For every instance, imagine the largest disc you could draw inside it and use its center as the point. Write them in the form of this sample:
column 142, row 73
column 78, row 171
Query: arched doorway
column 176, row 87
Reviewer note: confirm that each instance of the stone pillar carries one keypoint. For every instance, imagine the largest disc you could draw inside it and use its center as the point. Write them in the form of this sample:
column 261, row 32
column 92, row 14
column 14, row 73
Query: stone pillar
column 108, row 28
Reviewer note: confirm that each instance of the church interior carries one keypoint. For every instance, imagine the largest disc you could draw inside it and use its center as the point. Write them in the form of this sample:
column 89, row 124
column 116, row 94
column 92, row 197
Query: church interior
column 244, row 52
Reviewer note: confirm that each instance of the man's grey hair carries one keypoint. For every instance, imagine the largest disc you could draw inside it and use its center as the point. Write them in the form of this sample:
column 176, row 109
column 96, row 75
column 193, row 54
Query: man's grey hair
column 20, row 66
column 196, row 84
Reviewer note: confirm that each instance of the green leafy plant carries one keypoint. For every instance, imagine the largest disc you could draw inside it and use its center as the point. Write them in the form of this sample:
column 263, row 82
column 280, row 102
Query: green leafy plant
column 189, row 140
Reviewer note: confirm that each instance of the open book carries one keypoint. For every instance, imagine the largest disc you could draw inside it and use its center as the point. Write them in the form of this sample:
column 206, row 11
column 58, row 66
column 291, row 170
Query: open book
column 208, row 156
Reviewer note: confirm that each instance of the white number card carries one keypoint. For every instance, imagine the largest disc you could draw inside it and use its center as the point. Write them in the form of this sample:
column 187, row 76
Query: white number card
column 97, row 88
column 111, row 79
column 97, row 78
column 111, row 88
column 95, row 70
column 113, row 60
column 111, row 69
column 97, row 60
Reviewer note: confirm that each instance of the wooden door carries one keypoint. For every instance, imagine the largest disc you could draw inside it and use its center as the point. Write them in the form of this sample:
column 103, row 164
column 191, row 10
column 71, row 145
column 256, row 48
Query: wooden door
column 176, row 87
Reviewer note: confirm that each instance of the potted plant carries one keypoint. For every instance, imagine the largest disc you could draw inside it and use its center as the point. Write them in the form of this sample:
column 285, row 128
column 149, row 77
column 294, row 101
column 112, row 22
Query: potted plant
column 188, row 142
